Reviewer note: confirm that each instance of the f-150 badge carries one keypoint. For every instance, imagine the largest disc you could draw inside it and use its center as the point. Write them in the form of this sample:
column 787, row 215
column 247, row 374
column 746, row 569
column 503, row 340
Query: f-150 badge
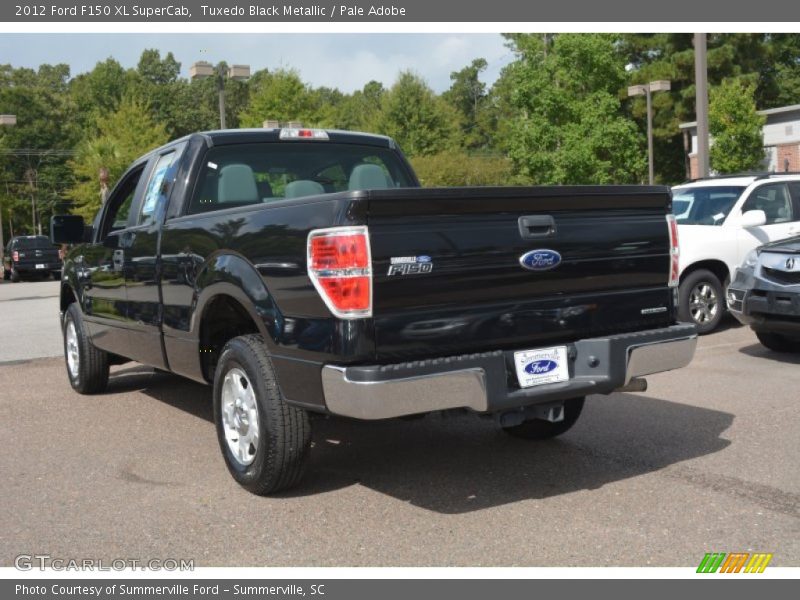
column 410, row 265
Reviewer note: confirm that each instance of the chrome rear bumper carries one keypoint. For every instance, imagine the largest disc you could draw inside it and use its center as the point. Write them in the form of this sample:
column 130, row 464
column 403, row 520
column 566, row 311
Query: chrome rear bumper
column 480, row 381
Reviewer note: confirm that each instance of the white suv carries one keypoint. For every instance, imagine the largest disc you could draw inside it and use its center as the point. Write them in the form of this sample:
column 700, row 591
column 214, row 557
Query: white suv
column 720, row 220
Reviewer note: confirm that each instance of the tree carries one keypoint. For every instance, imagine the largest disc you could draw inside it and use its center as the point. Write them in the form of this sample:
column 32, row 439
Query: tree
column 157, row 71
column 456, row 167
column 416, row 118
column 771, row 62
column 569, row 126
column 785, row 50
column 34, row 152
column 358, row 111
column 468, row 95
column 100, row 90
column 123, row 136
column 735, row 127
column 280, row 95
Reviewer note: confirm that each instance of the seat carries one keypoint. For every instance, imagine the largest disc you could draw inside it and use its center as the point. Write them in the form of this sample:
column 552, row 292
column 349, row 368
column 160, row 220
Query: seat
column 783, row 214
column 368, row 177
column 236, row 184
column 303, row 187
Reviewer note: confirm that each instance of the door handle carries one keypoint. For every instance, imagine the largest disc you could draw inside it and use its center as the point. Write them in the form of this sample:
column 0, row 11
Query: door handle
column 537, row 226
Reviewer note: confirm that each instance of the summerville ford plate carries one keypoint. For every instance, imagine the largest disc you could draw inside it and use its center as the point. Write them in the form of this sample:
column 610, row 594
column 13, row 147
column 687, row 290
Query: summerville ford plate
column 541, row 366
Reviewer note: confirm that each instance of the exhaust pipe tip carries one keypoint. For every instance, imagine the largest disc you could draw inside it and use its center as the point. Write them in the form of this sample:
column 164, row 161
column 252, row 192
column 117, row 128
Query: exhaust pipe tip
column 636, row 384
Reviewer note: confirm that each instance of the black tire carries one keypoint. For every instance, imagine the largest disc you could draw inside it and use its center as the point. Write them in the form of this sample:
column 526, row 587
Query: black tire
column 279, row 460
column 56, row 275
column 15, row 278
column 777, row 342
column 705, row 311
column 539, row 429
column 91, row 375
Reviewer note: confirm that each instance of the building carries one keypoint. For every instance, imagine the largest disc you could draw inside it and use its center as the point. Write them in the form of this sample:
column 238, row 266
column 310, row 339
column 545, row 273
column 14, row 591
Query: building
column 781, row 140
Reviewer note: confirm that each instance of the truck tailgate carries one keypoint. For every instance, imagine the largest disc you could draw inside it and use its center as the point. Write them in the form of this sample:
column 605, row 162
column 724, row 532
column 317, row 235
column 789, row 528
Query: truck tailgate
column 449, row 274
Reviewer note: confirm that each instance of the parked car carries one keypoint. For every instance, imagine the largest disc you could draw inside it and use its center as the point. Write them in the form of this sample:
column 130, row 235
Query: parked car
column 721, row 220
column 765, row 294
column 303, row 271
column 31, row 256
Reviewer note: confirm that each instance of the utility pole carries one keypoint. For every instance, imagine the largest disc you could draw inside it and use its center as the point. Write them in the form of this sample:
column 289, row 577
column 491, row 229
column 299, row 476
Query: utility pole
column 6, row 121
column 701, row 100
column 30, row 174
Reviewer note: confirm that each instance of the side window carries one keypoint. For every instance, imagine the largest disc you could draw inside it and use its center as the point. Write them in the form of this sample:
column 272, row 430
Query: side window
column 118, row 204
column 155, row 188
column 774, row 200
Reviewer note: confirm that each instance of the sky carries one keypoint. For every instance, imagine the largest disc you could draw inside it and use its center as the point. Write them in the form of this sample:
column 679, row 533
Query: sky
column 346, row 60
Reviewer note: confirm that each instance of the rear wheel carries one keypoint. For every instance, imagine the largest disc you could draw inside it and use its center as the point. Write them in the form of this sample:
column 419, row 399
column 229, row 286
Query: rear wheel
column 539, row 429
column 87, row 367
column 701, row 300
column 777, row 342
column 264, row 440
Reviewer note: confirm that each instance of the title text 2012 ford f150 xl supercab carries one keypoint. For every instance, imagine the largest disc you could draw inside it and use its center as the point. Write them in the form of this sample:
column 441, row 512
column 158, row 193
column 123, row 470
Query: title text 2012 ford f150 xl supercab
column 304, row 271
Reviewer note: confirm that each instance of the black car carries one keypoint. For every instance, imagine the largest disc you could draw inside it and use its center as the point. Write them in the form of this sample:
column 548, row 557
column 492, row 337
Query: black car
column 31, row 256
column 766, row 294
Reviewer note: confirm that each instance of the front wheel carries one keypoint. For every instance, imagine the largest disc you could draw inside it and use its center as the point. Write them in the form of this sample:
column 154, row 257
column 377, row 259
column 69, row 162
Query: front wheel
column 777, row 342
column 87, row 367
column 539, row 429
column 264, row 440
column 15, row 278
column 701, row 300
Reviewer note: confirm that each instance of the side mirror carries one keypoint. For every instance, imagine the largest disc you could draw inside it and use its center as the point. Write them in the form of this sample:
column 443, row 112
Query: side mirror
column 67, row 229
column 753, row 218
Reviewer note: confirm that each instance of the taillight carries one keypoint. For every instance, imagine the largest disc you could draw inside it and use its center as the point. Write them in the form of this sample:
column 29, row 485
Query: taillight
column 340, row 267
column 674, row 251
column 15, row 256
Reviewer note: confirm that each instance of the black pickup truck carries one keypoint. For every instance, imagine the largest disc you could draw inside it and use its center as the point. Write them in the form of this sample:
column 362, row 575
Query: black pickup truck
column 29, row 256
column 304, row 271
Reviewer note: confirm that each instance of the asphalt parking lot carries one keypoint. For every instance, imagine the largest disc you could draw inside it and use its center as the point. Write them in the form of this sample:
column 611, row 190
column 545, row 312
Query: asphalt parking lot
column 705, row 461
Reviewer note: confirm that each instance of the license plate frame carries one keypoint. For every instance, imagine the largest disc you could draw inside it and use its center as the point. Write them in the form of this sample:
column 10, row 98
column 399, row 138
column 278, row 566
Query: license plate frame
column 541, row 366
column 41, row 266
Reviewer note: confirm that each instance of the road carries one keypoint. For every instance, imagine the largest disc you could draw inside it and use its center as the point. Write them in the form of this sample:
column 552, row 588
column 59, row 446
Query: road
column 706, row 460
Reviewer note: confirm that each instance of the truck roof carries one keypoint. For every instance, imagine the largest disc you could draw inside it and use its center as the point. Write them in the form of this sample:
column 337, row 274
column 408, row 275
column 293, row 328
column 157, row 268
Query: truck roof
column 222, row 137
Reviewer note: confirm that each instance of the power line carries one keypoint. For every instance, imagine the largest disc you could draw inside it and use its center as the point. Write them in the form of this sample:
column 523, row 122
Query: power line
column 35, row 152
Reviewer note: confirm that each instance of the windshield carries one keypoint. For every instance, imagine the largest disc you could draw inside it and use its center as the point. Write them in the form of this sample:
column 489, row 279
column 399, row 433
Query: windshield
column 704, row 205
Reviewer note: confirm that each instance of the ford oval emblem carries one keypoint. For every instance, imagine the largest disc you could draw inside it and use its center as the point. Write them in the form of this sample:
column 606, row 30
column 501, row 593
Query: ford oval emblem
column 540, row 260
column 540, row 367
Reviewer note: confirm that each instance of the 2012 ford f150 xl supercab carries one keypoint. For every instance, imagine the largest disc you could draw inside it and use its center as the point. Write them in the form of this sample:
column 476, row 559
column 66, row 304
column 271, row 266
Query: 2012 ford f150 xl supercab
column 304, row 271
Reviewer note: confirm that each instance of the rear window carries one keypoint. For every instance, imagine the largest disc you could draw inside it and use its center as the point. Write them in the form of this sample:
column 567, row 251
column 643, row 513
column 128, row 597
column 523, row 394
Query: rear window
column 38, row 242
column 245, row 174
